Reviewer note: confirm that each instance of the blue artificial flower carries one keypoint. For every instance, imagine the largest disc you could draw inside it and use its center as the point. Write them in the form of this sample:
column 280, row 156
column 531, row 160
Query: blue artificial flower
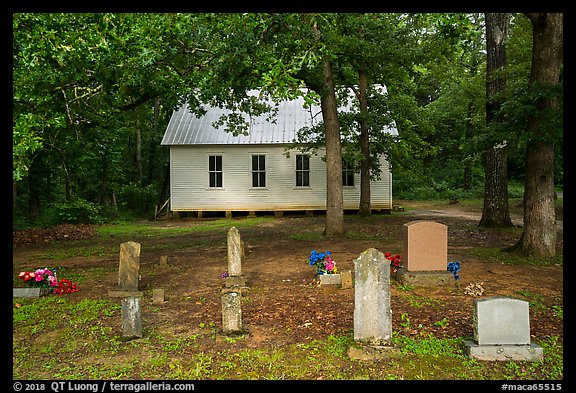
column 454, row 267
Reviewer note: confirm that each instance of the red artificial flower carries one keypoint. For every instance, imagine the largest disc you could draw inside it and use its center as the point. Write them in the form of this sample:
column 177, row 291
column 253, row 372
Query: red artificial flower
column 66, row 286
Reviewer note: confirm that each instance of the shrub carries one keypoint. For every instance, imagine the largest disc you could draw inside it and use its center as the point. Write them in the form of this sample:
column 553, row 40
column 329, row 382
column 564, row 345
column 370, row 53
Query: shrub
column 76, row 211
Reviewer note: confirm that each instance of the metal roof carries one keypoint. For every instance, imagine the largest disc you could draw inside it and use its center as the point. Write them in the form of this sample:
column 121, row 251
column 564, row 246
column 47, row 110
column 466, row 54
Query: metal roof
column 185, row 128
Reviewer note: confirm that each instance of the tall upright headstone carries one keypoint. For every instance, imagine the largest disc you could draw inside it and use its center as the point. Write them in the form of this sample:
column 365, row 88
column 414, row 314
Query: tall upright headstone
column 129, row 270
column 235, row 248
column 502, row 331
column 234, row 252
column 372, row 313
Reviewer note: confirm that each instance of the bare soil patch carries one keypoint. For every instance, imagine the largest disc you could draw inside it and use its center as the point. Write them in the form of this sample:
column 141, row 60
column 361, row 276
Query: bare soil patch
column 283, row 303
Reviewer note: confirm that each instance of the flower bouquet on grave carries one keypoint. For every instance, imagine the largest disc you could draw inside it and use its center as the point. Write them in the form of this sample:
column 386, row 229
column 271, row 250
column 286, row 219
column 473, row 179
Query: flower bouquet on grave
column 46, row 278
column 395, row 261
column 66, row 286
column 323, row 262
column 40, row 278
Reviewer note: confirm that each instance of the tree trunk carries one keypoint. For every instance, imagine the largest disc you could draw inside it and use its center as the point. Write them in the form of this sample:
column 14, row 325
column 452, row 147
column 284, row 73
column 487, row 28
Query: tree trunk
column 365, row 208
column 138, row 153
column 34, row 188
column 334, row 190
column 495, row 212
column 467, row 176
column 539, row 235
column 14, row 194
column 154, row 142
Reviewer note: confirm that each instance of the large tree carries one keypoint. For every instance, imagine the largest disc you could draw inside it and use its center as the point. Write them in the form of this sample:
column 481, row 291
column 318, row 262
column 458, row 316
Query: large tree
column 539, row 235
column 89, row 93
column 281, row 54
column 495, row 211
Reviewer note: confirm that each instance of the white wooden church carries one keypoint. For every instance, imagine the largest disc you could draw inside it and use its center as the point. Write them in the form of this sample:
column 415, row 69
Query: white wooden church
column 212, row 170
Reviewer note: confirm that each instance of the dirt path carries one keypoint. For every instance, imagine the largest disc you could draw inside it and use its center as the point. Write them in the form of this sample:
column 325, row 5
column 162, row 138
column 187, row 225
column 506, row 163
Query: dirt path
column 517, row 219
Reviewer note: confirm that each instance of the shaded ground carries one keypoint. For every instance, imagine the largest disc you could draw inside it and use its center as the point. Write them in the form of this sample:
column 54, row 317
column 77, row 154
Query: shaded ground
column 283, row 303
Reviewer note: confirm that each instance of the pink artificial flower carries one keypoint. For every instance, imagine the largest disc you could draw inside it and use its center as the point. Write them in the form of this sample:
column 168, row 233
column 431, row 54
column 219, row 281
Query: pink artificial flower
column 329, row 266
column 39, row 278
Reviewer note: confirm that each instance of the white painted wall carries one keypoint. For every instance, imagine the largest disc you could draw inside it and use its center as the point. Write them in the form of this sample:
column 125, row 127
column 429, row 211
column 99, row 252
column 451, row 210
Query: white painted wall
column 189, row 190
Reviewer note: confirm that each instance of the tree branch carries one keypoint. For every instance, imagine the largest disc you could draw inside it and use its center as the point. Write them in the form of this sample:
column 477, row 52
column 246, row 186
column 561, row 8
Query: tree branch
column 141, row 100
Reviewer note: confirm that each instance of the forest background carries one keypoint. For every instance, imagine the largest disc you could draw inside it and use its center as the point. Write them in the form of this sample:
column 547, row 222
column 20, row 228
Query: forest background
column 93, row 93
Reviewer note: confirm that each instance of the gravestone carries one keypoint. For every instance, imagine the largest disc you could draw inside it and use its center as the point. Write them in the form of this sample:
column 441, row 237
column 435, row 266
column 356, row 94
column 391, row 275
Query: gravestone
column 231, row 312
column 128, row 271
column 425, row 246
column 163, row 260
column 425, row 255
column 346, row 282
column 131, row 317
column 31, row 292
column 235, row 277
column 372, row 313
column 158, row 296
column 128, row 274
column 502, row 331
column 330, row 279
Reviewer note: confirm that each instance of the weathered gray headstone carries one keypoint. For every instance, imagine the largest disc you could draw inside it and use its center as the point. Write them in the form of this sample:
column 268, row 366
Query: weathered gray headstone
column 501, row 320
column 234, row 252
column 31, row 292
column 131, row 317
column 330, row 279
column 128, row 274
column 372, row 313
column 502, row 330
column 231, row 311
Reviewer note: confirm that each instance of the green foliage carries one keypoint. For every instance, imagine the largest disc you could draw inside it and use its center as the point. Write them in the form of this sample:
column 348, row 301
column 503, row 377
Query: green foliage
column 515, row 189
column 429, row 345
column 137, row 198
column 77, row 211
column 93, row 93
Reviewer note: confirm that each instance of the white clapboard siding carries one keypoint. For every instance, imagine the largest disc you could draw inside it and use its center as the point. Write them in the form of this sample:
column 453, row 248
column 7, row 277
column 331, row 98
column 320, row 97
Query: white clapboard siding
column 190, row 189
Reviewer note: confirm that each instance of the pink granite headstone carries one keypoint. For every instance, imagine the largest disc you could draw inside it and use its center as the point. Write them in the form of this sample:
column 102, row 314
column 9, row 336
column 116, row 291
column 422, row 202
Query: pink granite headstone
column 425, row 246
